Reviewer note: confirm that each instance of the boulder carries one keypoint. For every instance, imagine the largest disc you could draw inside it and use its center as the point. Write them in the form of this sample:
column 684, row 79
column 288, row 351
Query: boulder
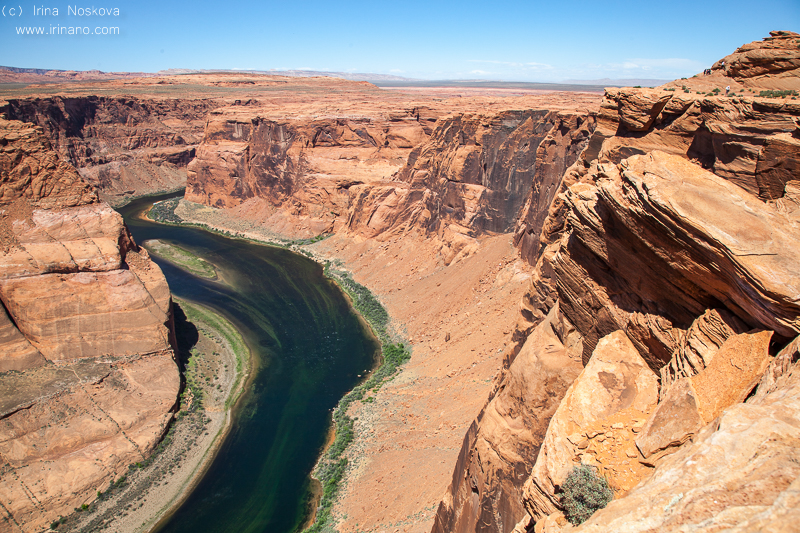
column 732, row 374
column 740, row 474
column 691, row 403
column 615, row 391
column 676, row 419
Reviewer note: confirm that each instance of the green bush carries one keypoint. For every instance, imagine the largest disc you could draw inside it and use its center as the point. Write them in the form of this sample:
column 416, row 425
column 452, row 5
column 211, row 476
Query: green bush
column 778, row 94
column 583, row 493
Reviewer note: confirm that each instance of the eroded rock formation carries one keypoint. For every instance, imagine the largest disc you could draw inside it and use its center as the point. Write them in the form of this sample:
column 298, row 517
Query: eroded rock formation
column 675, row 230
column 469, row 175
column 87, row 372
column 124, row 146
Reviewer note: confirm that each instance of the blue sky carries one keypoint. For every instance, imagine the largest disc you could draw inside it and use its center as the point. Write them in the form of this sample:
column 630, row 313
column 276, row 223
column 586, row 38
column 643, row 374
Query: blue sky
column 501, row 40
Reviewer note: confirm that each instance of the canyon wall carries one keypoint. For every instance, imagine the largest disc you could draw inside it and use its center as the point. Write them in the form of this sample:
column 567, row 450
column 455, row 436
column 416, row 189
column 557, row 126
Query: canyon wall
column 124, row 146
column 300, row 168
column 404, row 180
column 389, row 174
column 88, row 378
column 674, row 238
column 660, row 239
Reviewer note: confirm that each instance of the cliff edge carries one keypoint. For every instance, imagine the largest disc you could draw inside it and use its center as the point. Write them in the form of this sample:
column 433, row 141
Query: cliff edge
column 88, row 378
column 664, row 290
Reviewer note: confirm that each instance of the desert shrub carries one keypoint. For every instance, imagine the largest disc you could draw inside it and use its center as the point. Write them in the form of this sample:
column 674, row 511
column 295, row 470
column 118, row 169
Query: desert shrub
column 583, row 493
column 777, row 94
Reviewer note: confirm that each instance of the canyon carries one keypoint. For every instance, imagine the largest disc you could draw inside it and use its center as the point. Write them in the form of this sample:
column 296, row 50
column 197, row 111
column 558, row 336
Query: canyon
column 89, row 378
column 609, row 280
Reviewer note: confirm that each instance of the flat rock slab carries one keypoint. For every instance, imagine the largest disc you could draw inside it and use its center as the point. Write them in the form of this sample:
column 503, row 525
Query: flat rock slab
column 691, row 403
column 19, row 390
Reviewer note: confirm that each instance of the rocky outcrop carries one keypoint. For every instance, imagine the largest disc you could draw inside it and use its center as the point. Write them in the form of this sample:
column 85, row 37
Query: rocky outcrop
column 694, row 350
column 475, row 175
column 124, row 146
column 741, row 474
column 480, row 169
column 773, row 60
column 469, row 175
column 693, row 402
column 503, row 442
column 87, row 372
column 675, row 231
column 307, row 167
column 613, row 393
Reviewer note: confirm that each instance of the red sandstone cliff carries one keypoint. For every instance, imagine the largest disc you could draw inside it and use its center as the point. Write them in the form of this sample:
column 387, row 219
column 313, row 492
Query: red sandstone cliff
column 469, row 175
column 87, row 375
column 669, row 256
column 124, row 146
column 662, row 234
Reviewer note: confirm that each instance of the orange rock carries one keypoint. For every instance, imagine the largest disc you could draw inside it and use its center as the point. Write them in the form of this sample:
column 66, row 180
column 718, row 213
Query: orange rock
column 80, row 295
column 741, row 474
column 615, row 381
column 689, row 404
column 535, row 382
column 698, row 345
column 674, row 421
column 732, row 374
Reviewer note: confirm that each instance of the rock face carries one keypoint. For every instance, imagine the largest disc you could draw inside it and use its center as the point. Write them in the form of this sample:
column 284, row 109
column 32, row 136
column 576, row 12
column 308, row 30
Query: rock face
column 774, row 59
column 308, row 166
column 691, row 403
column 503, row 442
column 674, row 232
column 479, row 169
column 741, row 474
column 615, row 390
column 124, row 146
column 87, row 372
column 469, row 175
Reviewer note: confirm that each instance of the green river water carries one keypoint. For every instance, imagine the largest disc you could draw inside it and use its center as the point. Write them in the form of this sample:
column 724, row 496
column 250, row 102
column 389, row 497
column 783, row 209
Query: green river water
column 309, row 349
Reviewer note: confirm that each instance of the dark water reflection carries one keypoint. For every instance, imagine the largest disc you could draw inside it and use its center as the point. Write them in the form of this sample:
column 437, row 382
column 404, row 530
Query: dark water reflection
column 309, row 348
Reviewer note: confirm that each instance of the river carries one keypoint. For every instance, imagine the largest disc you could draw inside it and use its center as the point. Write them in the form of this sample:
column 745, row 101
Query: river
column 309, row 349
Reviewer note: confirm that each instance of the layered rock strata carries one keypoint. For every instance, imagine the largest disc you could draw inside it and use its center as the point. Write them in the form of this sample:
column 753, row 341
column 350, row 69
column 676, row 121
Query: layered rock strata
column 676, row 229
column 88, row 378
column 469, row 175
column 124, row 146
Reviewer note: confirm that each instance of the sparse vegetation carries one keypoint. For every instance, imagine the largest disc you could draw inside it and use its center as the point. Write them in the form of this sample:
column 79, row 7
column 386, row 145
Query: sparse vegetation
column 778, row 94
column 182, row 258
column 332, row 466
column 220, row 326
column 164, row 211
column 583, row 493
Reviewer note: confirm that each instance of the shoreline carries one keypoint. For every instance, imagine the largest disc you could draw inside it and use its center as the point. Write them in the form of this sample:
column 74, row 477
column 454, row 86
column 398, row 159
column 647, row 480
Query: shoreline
column 242, row 375
column 332, row 463
column 146, row 497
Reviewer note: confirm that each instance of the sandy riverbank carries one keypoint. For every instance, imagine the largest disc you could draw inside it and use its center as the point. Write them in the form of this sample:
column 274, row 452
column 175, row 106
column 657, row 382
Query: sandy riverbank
column 459, row 319
column 150, row 492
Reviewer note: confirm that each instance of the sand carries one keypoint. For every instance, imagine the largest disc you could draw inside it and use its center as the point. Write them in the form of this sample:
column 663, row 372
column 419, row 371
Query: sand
column 152, row 492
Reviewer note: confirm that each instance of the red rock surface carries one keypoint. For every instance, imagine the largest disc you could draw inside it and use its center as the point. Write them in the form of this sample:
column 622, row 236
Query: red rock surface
column 124, row 146
column 681, row 206
column 667, row 221
column 87, row 373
